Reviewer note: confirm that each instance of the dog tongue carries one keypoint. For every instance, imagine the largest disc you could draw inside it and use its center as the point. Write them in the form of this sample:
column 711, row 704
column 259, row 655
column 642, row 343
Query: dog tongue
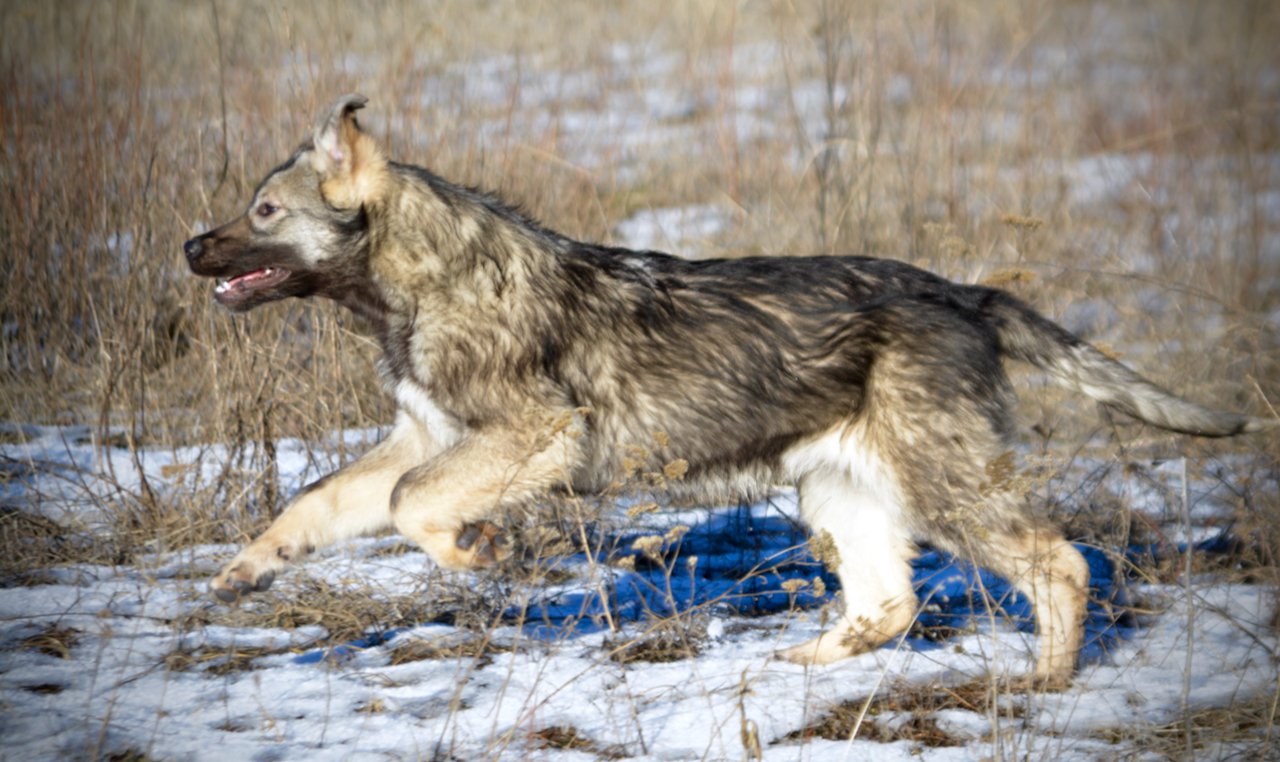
column 255, row 275
column 246, row 281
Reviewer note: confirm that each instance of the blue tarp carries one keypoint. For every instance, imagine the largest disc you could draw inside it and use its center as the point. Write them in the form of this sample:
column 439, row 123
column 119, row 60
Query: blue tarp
column 743, row 559
column 736, row 561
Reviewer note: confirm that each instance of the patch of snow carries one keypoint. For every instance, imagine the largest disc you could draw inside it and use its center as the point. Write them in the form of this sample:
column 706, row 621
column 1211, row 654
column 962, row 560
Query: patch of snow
column 684, row 230
column 147, row 668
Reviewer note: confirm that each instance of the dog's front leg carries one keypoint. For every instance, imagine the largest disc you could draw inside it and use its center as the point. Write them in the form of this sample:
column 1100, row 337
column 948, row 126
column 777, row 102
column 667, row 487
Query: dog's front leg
column 353, row 501
column 442, row 505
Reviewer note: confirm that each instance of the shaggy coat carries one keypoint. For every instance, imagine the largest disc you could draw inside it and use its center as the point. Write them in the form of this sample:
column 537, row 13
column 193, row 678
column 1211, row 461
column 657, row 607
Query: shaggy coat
column 522, row 360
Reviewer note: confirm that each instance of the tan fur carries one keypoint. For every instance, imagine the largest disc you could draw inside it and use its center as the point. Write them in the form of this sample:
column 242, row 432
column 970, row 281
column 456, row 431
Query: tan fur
column 1055, row 577
column 353, row 501
column 522, row 361
column 489, row 470
column 350, row 162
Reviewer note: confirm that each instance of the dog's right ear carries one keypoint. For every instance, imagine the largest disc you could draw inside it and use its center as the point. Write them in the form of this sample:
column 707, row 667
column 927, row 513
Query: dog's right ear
column 350, row 166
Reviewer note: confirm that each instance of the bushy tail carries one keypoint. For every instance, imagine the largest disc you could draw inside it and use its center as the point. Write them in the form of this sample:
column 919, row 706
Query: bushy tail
column 1026, row 335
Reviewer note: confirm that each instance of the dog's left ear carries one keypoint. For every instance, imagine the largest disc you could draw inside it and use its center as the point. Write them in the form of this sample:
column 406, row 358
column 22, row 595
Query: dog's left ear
column 350, row 166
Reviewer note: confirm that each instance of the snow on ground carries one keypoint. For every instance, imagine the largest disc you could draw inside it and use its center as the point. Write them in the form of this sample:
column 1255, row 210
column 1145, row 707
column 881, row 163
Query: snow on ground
column 98, row 660
column 684, row 228
column 139, row 659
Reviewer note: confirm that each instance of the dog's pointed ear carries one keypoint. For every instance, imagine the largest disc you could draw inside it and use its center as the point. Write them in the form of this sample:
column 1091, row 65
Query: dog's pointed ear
column 348, row 161
column 335, row 134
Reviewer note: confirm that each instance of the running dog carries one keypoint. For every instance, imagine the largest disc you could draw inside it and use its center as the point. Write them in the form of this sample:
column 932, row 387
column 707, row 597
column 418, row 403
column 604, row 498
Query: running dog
column 523, row 361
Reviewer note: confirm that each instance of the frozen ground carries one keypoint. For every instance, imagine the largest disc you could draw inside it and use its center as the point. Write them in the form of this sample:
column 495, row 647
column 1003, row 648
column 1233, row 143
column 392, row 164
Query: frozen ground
column 138, row 659
column 646, row 658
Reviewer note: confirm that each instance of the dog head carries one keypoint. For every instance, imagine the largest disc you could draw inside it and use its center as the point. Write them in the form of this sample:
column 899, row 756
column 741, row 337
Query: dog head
column 305, row 230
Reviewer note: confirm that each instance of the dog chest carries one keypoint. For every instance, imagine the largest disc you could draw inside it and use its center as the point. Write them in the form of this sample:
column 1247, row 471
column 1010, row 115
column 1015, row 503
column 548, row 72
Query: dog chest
column 415, row 401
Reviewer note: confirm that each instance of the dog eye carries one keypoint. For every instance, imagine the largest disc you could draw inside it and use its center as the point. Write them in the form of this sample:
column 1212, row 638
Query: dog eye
column 266, row 209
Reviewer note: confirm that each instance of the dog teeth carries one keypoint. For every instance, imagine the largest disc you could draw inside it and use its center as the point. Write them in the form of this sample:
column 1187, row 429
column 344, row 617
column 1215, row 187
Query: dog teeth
column 222, row 287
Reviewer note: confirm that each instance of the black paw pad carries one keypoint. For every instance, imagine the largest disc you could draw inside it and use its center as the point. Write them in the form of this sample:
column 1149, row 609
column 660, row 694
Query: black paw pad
column 468, row 536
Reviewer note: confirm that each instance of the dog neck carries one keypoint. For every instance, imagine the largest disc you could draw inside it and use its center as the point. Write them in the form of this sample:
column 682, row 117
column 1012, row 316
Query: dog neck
column 366, row 301
column 460, row 249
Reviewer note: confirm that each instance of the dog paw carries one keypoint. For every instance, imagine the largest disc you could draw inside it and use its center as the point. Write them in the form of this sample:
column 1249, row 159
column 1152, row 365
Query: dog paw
column 805, row 654
column 826, row 648
column 239, row 580
column 470, row 546
column 486, row 543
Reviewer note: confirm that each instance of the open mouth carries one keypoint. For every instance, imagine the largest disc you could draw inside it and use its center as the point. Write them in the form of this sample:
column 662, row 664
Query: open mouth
column 240, row 287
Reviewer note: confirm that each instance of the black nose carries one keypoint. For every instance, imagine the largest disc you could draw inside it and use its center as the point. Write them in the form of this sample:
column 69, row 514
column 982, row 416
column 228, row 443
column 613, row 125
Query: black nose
column 192, row 248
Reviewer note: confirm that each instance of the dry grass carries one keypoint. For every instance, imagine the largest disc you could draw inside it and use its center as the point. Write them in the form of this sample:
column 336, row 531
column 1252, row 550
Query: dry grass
column 348, row 612
column 478, row 649
column 669, row 639
column 562, row 737
column 935, row 142
column 945, row 135
column 906, row 713
column 52, row 641
column 1248, row 724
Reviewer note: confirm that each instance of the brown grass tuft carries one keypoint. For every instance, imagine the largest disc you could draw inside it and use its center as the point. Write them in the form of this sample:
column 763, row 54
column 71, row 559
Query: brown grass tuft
column 567, row 737
column 906, row 713
column 53, row 640
column 667, row 640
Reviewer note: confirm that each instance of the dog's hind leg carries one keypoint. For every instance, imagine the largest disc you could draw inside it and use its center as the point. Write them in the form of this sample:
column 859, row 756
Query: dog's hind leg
column 859, row 534
column 1054, row 576
column 965, row 498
